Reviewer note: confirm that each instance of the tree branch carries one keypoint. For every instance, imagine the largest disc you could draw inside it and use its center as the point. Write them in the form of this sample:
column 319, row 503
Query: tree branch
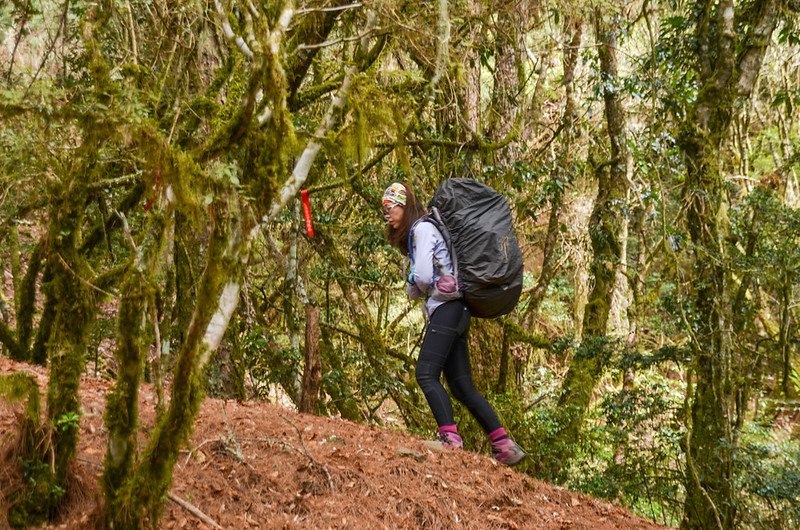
column 758, row 37
column 194, row 510
column 227, row 30
column 306, row 160
column 7, row 339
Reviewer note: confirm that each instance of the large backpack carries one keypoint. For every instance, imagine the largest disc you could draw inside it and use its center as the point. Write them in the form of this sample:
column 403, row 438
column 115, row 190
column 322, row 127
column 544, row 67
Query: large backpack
column 476, row 224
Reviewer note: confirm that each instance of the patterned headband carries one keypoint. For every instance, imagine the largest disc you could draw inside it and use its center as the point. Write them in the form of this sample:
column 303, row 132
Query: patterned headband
column 395, row 194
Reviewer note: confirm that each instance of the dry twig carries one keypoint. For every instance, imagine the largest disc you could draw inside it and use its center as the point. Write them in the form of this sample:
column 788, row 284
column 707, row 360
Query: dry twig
column 194, row 510
column 313, row 462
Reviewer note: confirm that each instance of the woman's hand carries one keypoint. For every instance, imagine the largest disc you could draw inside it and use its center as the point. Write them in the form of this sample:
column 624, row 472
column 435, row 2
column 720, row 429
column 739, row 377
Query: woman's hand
column 413, row 291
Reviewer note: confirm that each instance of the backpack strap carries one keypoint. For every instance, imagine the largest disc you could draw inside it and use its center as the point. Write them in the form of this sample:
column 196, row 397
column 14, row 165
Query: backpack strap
column 411, row 236
column 436, row 219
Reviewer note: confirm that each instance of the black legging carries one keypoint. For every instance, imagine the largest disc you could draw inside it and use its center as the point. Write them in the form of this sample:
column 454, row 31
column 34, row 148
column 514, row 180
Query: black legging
column 444, row 348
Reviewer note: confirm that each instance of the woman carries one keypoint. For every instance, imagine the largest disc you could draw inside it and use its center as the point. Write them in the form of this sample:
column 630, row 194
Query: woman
column 444, row 347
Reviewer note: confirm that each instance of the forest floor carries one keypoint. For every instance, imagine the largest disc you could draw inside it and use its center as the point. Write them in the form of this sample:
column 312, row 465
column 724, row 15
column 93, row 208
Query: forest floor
column 256, row 465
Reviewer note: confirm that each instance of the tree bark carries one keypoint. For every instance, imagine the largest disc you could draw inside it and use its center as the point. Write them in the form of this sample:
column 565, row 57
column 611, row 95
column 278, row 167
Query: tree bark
column 312, row 369
column 606, row 229
column 728, row 65
column 122, row 408
column 144, row 488
column 74, row 309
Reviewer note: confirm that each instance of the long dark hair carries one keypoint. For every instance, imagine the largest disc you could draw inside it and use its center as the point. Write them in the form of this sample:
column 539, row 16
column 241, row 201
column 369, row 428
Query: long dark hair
column 412, row 211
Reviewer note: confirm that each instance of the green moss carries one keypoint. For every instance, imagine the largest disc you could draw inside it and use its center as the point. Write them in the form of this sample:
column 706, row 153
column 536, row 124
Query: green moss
column 27, row 299
column 235, row 89
column 43, row 331
column 67, row 353
column 69, row 289
column 141, row 495
column 7, row 340
column 204, row 105
column 268, row 149
column 21, row 387
column 518, row 334
column 121, row 417
column 176, row 169
column 40, row 493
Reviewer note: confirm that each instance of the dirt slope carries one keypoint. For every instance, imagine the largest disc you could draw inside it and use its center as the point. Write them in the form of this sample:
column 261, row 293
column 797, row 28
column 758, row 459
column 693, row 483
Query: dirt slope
column 255, row 465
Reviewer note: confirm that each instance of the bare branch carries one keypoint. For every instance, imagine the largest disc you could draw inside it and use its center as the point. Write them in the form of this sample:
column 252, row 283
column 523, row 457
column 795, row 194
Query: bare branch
column 311, row 460
column 134, row 43
column 126, row 229
column 227, row 30
column 328, row 9
column 443, row 45
column 194, row 510
column 327, row 43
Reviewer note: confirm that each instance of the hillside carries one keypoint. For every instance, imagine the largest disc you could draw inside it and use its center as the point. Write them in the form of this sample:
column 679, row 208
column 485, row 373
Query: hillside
column 256, row 465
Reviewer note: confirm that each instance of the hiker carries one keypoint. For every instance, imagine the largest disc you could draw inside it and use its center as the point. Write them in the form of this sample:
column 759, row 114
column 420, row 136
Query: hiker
column 444, row 347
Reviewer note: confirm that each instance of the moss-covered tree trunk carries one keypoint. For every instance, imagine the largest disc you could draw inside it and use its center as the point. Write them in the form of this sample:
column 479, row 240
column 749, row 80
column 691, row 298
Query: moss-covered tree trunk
column 505, row 361
column 187, row 271
column 729, row 61
column 27, row 299
column 18, row 342
column 143, row 490
column 122, row 408
column 709, row 442
column 45, row 327
column 605, row 229
column 335, row 384
column 73, row 310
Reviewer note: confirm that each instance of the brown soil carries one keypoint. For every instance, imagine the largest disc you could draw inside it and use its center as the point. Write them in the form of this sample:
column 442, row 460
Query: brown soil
column 256, row 465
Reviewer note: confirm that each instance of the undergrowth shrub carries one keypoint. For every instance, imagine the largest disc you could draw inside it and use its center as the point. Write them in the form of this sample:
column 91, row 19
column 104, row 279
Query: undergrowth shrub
column 768, row 481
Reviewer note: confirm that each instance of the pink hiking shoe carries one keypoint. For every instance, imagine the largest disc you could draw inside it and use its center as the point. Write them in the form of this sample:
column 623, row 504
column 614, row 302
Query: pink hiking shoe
column 506, row 451
column 451, row 440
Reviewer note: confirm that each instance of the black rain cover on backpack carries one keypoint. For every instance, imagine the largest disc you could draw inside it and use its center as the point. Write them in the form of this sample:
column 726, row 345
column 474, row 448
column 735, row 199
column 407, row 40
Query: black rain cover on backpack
column 489, row 262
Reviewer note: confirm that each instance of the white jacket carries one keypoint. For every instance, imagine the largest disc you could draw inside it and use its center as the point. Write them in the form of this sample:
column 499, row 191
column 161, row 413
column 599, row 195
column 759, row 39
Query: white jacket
column 430, row 259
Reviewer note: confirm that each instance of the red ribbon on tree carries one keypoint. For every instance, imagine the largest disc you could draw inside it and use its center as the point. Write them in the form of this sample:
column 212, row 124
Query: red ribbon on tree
column 307, row 213
column 155, row 191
